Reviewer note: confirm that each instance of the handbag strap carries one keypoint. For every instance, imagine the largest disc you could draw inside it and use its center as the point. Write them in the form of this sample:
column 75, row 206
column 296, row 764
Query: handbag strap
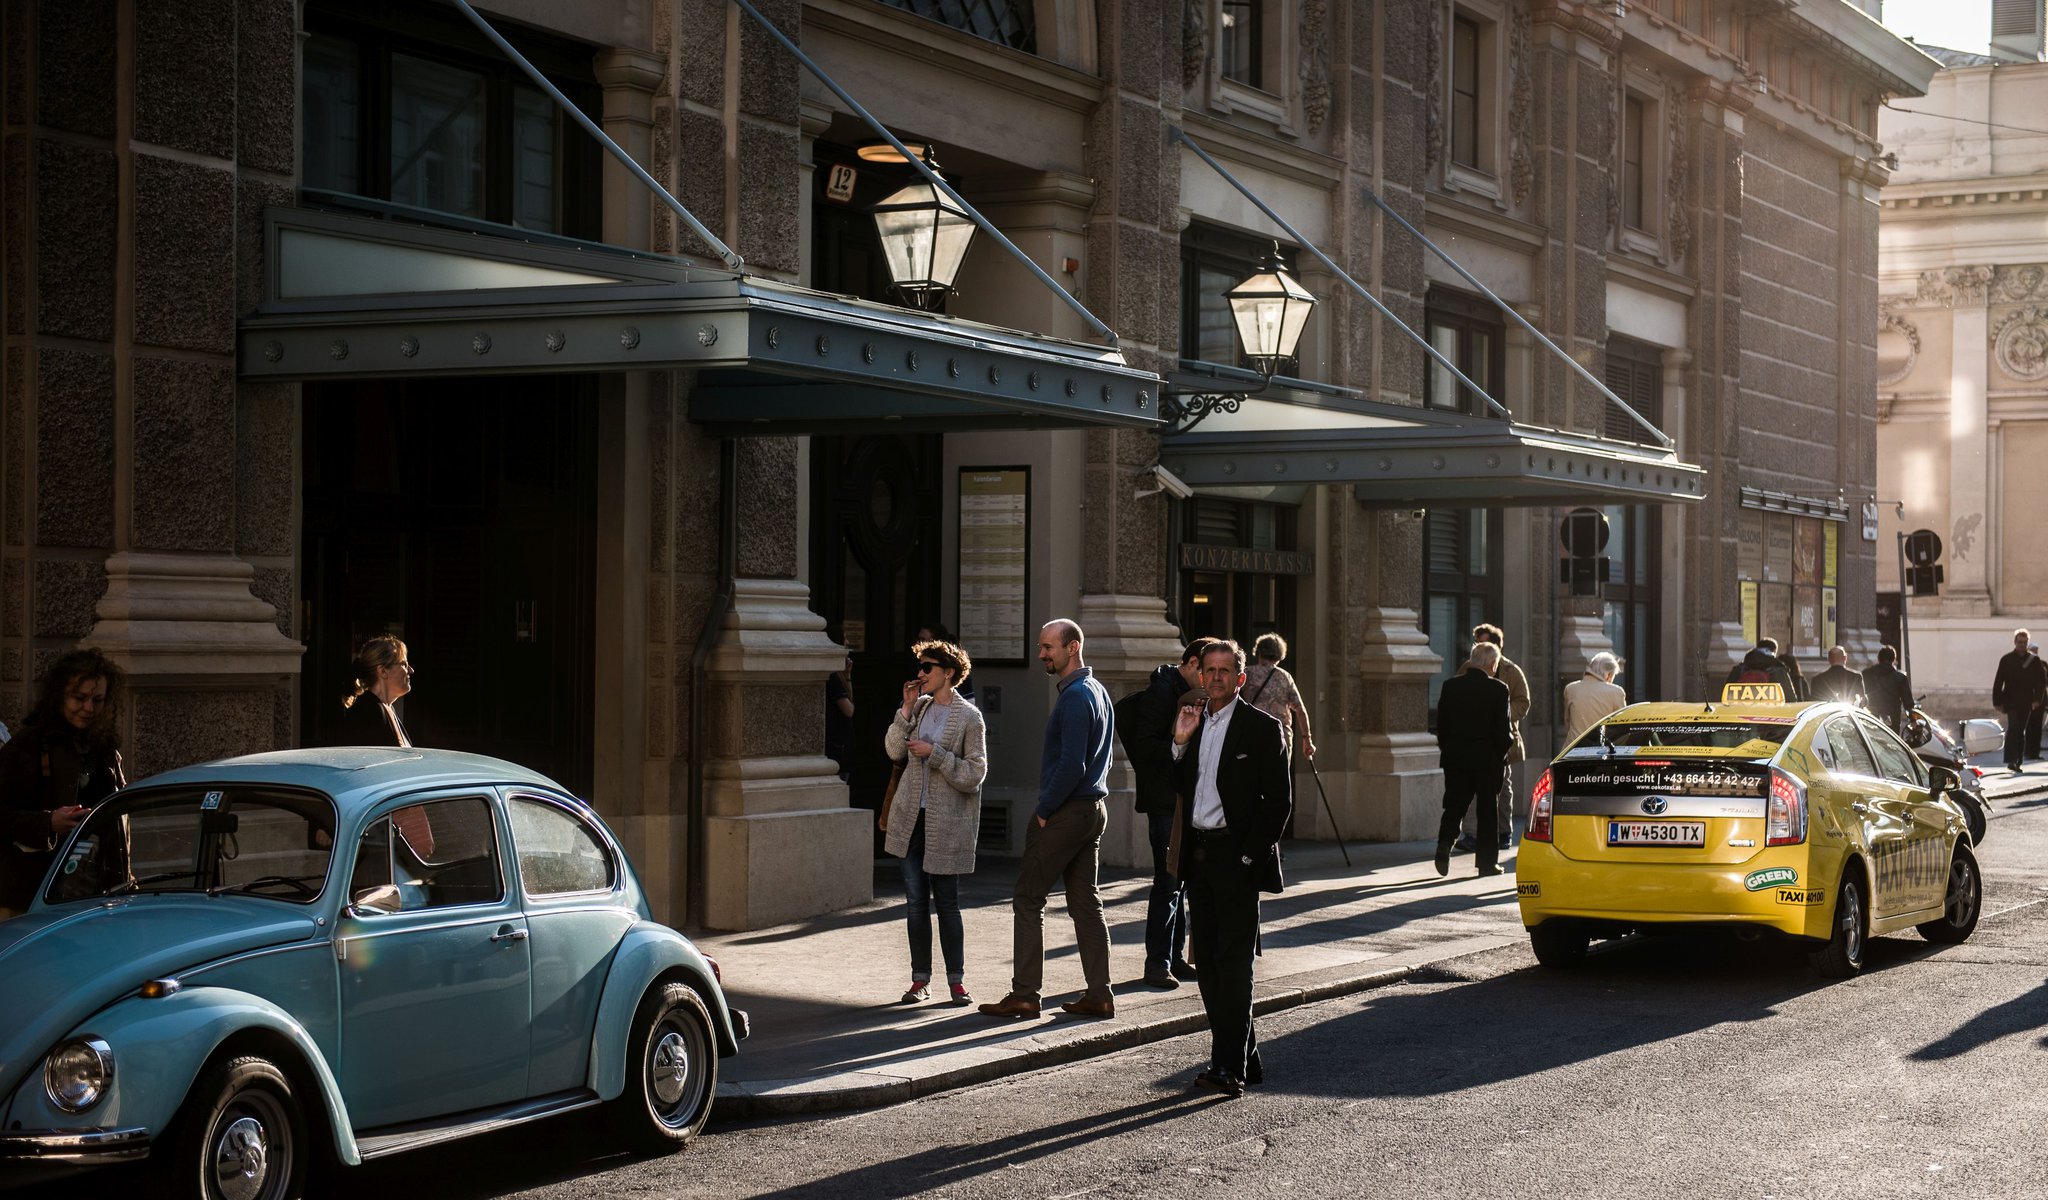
column 1253, row 699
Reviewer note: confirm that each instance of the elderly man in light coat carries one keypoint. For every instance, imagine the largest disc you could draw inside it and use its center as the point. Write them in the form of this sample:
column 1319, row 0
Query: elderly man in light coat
column 1591, row 698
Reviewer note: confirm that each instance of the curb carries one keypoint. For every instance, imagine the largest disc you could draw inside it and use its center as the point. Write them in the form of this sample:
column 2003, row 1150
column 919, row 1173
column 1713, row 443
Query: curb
column 1164, row 1019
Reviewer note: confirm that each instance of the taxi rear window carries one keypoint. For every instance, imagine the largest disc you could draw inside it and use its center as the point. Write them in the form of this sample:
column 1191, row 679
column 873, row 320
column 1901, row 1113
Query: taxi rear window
column 1720, row 735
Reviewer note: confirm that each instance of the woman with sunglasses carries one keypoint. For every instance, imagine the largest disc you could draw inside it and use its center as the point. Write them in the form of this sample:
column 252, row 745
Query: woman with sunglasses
column 934, row 816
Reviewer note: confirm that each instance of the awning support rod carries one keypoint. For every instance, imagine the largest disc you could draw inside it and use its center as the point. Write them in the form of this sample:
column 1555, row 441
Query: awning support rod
column 1503, row 305
column 724, row 251
column 931, row 176
column 1180, row 135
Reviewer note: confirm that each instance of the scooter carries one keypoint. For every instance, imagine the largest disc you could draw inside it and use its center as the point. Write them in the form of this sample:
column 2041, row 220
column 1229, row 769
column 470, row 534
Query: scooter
column 1937, row 747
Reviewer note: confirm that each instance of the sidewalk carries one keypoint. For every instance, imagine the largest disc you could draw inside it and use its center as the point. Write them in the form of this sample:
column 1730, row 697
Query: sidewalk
column 829, row 1033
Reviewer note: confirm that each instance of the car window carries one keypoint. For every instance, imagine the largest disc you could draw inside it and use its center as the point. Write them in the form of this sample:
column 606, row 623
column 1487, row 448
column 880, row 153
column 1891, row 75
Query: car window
column 558, row 852
column 439, row 854
column 1711, row 735
column 1852, row 757
column 1897, row 763
column 263, row 842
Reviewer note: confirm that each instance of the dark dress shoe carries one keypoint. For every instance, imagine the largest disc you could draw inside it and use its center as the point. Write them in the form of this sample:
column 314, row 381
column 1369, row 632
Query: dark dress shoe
column 1464, row 845
column 1011, row 1006
column 1486, row 869
column 1084, row 1007
column 1162, row 980
column 1220, row 1081
column 1254, row 1071
column 1443, row 860
column 1185, row 972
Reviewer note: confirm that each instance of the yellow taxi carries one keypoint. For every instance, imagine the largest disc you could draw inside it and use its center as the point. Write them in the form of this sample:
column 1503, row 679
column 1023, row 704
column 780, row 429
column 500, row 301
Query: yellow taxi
column 1810, row 820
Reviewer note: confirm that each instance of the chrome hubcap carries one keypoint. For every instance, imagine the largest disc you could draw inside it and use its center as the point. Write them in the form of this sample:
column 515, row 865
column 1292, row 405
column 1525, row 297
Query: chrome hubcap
column 241, row 1160
column 668, row 1069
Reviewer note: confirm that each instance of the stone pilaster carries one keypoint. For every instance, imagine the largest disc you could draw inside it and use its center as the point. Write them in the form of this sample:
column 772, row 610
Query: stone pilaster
column 1127, row 637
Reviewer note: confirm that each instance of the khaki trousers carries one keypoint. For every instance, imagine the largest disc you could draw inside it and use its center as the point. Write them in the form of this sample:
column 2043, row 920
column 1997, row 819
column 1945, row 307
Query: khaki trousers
column 1069, row 848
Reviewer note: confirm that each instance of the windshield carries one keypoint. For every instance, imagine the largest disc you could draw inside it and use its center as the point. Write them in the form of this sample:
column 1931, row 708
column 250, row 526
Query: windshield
column 259, row 841
column 1758, row 738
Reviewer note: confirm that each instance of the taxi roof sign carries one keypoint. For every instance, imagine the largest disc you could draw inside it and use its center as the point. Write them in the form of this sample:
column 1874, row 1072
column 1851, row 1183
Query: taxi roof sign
column 1752, row 693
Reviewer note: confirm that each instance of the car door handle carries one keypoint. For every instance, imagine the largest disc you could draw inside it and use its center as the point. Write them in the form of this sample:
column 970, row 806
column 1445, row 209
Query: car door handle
column 507, row 933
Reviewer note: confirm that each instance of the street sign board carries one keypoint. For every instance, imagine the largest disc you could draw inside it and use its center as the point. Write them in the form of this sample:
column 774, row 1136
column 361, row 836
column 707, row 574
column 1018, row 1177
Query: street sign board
column 1584, row 532
column 1923, row 547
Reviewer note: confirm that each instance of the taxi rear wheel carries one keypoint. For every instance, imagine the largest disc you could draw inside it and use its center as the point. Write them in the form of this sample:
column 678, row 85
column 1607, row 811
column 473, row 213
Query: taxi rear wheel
column 1962, row 904
column 1558, row 944
column 1843, row 954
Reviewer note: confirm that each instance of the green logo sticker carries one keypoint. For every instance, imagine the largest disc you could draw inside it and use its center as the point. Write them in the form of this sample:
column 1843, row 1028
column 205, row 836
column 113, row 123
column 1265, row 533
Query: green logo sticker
column 1769, row 877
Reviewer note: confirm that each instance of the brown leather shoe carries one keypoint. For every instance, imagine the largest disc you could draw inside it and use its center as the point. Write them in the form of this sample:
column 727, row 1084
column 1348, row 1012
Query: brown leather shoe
column 1011, row 1005
column 1084, row 1007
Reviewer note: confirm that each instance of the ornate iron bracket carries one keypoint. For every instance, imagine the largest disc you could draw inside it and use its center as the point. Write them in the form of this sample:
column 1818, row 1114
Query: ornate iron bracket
column 1185, row 412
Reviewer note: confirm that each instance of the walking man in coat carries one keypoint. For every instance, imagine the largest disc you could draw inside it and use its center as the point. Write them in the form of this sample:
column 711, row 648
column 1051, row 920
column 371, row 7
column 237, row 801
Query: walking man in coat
column 1475, row 737
column 1890, row 690
column 2015, row 691
column 1145, row 724
column 1064, row 839
column 1838, row 682
column 1230, row 767
column 1519, row 700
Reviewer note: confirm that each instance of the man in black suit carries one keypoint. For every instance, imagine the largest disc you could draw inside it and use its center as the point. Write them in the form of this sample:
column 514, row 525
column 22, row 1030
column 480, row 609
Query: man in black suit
column 1230, row 770
column 1838, row 682
column 2016, row 692
column 1473, row 736
column 1890, row 690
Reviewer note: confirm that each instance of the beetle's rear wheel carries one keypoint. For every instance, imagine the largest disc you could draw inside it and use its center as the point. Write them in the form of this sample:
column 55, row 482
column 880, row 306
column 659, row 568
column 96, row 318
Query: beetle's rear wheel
column 671, row 1071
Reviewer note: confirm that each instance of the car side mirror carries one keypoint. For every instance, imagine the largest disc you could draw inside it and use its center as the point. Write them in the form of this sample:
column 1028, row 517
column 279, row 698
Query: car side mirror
column 1941, row 781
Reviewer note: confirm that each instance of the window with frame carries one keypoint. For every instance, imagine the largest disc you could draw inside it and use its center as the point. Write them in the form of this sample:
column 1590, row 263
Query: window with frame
column 1632, row 600
column 1466, row 92
column 413, row 107
column 440, row 854
column 1469, row 332
column 1634, row 112
column 1239, row 604
column 1240, row 41
column 558, row 853
column 1461, row 567
column 1011, row 23
column 1213, row 261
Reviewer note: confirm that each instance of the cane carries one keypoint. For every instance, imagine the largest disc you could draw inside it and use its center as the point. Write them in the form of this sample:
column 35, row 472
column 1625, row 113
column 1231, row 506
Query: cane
column 1318, row 777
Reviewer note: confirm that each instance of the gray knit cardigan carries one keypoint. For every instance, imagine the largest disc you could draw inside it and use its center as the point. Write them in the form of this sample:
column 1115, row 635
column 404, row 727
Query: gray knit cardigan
column 949, row 783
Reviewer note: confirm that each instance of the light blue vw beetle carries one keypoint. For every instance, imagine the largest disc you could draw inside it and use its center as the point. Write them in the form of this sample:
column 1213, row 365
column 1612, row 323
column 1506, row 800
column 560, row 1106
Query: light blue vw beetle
column 243, row 970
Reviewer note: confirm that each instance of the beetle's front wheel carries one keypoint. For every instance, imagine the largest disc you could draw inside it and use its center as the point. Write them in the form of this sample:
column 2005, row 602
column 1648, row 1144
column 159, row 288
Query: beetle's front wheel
column 671, row 1071
column 241, row 1137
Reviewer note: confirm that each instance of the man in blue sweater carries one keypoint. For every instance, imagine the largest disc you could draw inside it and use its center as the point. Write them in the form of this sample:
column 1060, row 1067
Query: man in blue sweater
column 1064, row 840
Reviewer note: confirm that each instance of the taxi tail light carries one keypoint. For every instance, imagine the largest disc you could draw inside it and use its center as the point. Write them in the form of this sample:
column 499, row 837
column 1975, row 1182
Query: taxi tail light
column 1786, row 824
column 1539, row 809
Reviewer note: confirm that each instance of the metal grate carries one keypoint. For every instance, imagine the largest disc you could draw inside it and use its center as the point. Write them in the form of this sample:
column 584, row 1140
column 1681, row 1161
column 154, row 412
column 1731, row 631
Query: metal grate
column 1005, row 22
column 995, row 828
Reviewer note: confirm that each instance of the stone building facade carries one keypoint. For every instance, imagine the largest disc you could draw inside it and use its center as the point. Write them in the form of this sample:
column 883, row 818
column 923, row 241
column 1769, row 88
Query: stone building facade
column 235, row 444
column 1962, row 387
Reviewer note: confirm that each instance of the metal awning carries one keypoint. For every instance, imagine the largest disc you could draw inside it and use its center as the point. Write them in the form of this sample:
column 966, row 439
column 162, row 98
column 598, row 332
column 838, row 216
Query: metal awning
column 356, row 297
column 1395, row 456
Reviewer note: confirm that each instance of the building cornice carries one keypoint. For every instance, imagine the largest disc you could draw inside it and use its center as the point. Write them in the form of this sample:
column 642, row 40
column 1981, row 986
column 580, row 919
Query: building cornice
column 1234, row 143
column 898, row 34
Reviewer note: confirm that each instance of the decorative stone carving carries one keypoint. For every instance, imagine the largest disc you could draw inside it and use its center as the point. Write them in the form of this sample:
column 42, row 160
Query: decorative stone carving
column 1194, row 42
column 1521, row 101
column 2020, row 343
column 1315, row 64
column 1898, row 347
column 1610, row 158
column 1955, row 286
column 1678, row 180
column 2019, row 284
column 1433, row 133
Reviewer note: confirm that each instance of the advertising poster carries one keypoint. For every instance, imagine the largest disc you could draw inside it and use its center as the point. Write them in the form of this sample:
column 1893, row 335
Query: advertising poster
column 1749, row 613
column 1830, row 626
column 1806, row 549
column 995, row 563
column 1831, row 553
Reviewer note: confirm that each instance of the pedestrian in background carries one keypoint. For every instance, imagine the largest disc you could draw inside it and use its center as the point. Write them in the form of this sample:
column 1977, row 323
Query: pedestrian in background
column 1231, row 772
column 1790, row 662
column 1269, row 688
column 1064, row 839
column 1888, row 689
column 1144, row 723
column 1507, row 799
column 383, row 677
column 65, row 758
column 2015, row 693
column 1593, row 696
column 2038, row 672
column 1838, row 682
column 1474, row 736
column 939, row 737
column 1762, row 665
column 937, row 632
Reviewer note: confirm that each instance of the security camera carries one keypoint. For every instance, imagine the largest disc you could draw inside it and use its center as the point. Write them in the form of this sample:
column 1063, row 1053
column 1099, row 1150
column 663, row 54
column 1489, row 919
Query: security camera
column 1170, row 483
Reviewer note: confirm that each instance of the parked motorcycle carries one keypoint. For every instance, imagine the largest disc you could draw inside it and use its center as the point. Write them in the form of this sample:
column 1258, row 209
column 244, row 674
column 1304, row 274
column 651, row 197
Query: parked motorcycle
column 1938, row 747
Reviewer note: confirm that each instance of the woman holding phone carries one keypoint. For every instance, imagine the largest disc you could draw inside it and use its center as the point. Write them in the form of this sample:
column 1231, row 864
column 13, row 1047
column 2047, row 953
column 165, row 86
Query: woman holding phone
column 934, row 818
column 65, row 758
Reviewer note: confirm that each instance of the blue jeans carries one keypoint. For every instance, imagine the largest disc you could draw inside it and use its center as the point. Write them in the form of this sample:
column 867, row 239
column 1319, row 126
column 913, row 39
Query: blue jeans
column 1166, row 912
column 926, row 892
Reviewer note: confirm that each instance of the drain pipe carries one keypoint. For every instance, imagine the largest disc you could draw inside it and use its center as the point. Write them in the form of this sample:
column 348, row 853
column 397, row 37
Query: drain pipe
column 714, row 620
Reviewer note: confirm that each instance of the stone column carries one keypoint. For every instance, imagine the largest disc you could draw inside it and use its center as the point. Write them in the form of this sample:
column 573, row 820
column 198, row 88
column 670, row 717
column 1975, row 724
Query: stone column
column 1967, row 549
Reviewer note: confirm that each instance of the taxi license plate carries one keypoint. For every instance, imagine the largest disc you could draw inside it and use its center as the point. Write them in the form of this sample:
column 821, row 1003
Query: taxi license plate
column 1656, row 833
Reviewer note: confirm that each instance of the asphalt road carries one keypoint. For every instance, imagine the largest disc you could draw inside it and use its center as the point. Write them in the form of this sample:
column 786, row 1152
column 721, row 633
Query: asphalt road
column 1661, row 1068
